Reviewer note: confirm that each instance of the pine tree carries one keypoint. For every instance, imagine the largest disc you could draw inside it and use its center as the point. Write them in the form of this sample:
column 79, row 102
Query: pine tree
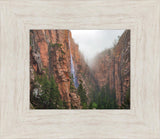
column 82, row 94
column 126, row 103
column 49, row 97
column 106, row 98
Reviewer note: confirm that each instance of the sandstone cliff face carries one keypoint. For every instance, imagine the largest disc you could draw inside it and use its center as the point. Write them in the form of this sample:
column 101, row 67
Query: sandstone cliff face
column 49, row 50
column 83, row 71
column 113, row 67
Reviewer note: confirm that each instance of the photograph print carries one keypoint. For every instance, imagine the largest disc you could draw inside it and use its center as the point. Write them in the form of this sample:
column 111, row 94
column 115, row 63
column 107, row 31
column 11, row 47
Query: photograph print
column 79, row 69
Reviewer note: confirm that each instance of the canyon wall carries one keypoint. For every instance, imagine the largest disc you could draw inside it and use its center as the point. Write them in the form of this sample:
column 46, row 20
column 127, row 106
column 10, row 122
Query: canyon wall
column 50, row 52
column 112, row 67
column 83, row 71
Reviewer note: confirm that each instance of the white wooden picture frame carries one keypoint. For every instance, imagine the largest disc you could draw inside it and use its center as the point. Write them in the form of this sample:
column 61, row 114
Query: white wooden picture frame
column 18, row 121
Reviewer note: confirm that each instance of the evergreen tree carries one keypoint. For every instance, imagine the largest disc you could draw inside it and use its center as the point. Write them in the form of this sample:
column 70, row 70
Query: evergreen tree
column 94, row 105
column 82, row 94
column 126, row 103
column 106, row 99
column 55, row 100
column 49, row 97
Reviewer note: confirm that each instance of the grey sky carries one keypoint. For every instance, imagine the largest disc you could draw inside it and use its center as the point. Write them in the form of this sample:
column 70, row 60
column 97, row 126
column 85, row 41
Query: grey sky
column 92, row 42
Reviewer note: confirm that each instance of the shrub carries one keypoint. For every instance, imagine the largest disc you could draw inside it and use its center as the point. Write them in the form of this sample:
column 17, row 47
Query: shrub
column 82, row 93
column 62, row 52
column 94, row 105
column 55, row 45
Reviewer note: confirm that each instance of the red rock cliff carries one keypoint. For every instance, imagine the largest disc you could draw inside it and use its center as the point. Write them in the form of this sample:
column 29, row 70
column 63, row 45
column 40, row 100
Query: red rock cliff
column 50, row 50
column 112, row 67
column 83, row 71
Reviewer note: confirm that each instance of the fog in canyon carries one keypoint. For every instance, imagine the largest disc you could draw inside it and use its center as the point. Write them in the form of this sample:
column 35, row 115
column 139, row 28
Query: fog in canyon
column 93, row 42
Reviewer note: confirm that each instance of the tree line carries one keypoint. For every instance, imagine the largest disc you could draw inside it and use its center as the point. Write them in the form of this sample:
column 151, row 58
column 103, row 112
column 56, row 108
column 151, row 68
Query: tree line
column 49, row 96
column 106, row 99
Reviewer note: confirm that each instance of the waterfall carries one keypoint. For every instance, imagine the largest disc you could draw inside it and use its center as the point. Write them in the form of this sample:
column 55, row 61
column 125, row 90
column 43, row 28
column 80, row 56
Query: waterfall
column 72, row 67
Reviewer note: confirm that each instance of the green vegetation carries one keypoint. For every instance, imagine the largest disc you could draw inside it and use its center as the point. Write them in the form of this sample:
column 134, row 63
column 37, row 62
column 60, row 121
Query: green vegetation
column 55, row 44
column 58, row 45
column 62, row 52
column 105, row 99
column 84, row 106
column 49, row 96
column 82, row 94
column 126, row 103
column 93, row 105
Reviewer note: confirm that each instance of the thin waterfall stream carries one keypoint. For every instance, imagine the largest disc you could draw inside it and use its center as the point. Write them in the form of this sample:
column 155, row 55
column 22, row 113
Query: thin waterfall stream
column 72, row 67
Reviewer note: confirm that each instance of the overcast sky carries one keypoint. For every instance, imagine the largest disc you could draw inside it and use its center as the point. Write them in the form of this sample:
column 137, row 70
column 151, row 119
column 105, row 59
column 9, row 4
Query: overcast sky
column 92, row 42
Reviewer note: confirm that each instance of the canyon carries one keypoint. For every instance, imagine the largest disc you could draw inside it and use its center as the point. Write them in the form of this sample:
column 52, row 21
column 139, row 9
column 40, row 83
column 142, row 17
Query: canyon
column 112, row 67
column 54, row 52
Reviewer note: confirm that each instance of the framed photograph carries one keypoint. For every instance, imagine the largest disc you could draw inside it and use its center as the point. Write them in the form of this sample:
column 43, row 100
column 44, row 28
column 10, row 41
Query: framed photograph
column 79, row 69
column 93, row 73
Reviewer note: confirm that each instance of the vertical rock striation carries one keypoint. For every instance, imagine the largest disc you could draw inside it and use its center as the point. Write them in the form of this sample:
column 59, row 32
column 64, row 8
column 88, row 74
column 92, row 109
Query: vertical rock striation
column 83, row 71
column 49, row 51
column 112, row 67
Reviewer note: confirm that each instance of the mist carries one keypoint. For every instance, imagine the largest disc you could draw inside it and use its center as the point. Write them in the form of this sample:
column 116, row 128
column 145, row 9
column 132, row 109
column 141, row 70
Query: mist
column 92, row 42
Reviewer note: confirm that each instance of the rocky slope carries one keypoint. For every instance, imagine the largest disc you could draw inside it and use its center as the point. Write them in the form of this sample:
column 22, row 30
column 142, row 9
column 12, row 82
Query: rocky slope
column 49, row 52
column 112, row 67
